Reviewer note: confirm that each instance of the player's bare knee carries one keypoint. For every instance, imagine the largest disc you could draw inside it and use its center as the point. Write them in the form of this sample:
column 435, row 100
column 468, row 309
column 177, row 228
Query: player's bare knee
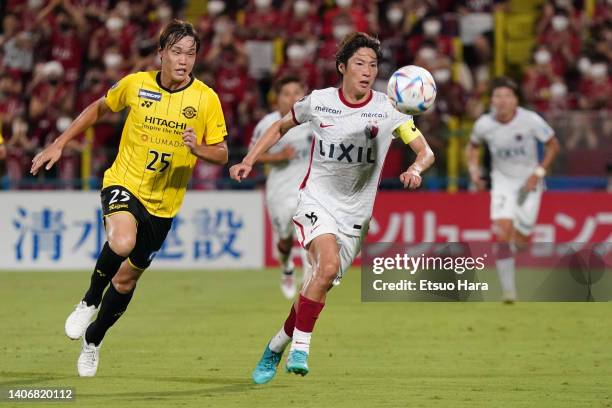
column 122, row 244
column 328, row 270
column 503, row 233
column 503, row 238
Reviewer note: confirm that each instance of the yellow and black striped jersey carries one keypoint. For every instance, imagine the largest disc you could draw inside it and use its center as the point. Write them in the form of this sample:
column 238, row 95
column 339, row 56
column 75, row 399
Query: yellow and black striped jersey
column 152, row 162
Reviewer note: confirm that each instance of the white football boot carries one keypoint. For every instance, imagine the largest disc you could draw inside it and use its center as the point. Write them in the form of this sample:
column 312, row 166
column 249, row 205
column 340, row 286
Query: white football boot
column 79, row 319
column 87, row 365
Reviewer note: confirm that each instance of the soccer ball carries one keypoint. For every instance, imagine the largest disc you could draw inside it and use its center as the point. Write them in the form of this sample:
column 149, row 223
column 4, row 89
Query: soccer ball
column 412, row 90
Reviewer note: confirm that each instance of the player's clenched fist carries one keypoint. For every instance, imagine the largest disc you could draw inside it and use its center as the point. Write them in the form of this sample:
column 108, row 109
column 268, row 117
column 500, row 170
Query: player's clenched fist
column 240, row 171
column 189, row 138
column 411, row 178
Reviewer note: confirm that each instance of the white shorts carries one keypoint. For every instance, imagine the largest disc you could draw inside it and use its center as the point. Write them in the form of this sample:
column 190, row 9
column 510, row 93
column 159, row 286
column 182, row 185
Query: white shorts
column 312, row 220
column 521, row 208
column 281, row 212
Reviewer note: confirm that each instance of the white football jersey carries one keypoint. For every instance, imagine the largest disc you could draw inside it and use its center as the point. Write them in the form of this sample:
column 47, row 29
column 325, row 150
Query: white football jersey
column 348, row 151
column 284, row 178
column 513, row 145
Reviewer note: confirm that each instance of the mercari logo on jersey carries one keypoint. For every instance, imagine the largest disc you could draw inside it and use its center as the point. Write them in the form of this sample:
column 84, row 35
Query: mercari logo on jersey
column 326, row 109
column 376, row 115
column 347, row 153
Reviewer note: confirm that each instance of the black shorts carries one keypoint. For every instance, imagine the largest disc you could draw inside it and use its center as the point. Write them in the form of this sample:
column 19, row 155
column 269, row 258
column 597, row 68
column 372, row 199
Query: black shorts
column 151, row 230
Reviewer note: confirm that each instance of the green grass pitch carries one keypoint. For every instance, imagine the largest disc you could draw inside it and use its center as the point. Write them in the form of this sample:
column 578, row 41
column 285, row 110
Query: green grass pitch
column 191, row 339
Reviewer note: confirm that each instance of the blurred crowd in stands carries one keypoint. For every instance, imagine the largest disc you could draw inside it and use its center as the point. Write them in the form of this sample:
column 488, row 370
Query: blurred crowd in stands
column 57, row 56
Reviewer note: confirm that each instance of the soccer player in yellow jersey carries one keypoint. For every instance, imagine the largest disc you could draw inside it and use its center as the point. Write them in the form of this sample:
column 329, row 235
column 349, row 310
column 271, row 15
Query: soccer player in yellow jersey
column 173, row 120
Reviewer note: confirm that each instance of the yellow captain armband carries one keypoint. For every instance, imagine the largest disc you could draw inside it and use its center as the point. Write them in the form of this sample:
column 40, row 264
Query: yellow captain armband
column 407, row 131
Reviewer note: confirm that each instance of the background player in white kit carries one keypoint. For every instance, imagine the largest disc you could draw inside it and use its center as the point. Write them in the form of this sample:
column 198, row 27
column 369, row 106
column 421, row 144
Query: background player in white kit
column 288, row 161
column 353, row 127
column 511, row 133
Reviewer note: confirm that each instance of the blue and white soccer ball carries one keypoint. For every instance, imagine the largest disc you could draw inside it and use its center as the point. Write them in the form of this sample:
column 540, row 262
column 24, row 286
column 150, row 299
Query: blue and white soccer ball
column 412, row 90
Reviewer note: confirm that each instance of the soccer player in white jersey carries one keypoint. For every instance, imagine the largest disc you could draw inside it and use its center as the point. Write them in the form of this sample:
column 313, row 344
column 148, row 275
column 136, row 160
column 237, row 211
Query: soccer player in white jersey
column 353, row 127
column 517, row 177
column 288, row 161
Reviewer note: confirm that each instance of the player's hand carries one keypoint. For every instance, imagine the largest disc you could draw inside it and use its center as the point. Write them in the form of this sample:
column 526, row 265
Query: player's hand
column 189, row 138
column 240, row 171
column 411, row 178
column 532, row 183
column 48, row 156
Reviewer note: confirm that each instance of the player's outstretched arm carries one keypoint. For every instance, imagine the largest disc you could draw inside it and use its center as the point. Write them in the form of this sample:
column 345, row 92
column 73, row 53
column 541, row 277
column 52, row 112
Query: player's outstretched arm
column 472, row 156
column 216, row 153
column 241, row 170
column 411, row 178
column 51, row 154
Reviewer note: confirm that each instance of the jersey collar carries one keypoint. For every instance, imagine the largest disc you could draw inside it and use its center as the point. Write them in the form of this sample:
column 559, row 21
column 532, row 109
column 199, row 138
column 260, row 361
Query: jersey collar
column 158, row 80
column 354, row 105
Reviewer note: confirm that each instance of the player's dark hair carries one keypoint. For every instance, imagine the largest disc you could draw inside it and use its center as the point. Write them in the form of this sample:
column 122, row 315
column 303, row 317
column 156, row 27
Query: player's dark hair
column 505, row 82
column 288, row 79
column 351, row 43
column 175, row 31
